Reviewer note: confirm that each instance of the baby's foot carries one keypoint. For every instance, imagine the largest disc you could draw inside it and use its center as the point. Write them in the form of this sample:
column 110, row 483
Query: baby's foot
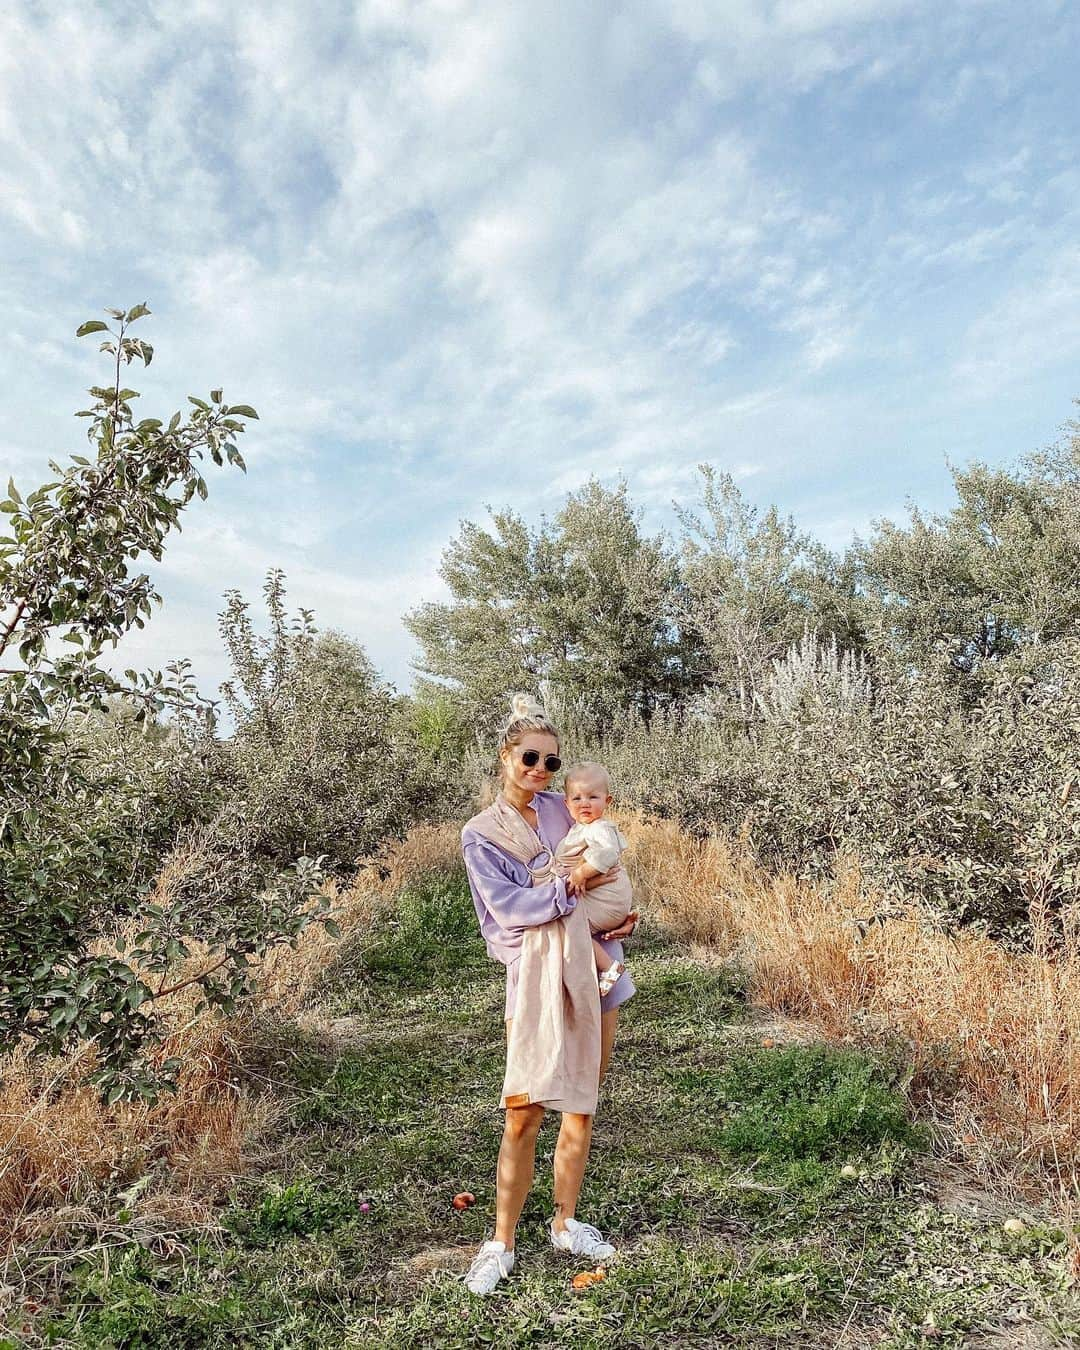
column 609, row 978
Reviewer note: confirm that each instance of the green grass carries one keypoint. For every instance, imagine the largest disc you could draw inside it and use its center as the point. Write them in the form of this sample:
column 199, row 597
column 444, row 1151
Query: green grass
column 717, row 1167
column 809, row 1102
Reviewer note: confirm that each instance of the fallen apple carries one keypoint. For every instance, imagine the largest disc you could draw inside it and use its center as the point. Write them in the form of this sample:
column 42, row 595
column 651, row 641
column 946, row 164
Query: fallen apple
column 464, row 1200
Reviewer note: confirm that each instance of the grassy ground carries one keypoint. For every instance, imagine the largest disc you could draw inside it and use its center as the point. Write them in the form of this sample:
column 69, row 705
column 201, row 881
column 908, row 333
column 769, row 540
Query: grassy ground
column 760, row 1194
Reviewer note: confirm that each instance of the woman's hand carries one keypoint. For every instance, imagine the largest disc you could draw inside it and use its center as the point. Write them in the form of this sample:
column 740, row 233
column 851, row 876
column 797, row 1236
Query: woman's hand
column 624, row 930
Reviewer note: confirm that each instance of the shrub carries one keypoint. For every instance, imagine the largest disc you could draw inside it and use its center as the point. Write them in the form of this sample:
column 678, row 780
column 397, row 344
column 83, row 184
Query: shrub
column 973, row 812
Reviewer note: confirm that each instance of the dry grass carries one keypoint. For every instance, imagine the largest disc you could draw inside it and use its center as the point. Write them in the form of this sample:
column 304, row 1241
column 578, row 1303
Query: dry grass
column 62, row 1151
column 1000, row 1032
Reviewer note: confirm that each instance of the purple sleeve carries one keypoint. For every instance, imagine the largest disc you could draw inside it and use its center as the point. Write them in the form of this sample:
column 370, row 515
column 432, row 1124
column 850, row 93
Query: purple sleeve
column 511, row 905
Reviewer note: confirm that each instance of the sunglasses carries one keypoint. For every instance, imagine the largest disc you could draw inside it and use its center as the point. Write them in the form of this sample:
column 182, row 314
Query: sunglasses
column 531, row 758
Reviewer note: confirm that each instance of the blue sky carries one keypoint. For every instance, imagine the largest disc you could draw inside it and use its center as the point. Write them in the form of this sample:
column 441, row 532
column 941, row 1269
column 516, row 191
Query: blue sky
column 461, row 254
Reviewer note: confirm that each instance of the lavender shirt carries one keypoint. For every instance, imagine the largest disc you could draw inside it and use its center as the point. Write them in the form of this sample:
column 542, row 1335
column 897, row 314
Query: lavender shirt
column 506, row 903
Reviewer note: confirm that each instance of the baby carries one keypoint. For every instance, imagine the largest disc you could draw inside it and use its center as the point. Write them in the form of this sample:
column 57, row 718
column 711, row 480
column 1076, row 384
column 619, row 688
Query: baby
column 594, row 846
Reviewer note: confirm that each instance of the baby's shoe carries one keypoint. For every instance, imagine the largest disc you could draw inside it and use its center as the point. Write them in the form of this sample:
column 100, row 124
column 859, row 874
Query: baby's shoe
column 610, row 978
column 582, row 1239
column 491, row 1264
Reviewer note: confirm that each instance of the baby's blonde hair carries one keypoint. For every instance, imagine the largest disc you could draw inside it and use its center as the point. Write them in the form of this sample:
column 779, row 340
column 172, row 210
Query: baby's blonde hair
column 588, row 770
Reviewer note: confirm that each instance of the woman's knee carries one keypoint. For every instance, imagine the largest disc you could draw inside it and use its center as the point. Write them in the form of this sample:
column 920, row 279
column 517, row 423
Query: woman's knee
column 523, row 1122
column 575, row 1125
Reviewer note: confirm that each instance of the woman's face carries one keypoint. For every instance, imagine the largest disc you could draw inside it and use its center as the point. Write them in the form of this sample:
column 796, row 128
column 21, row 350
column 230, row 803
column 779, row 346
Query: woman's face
column 519, row 775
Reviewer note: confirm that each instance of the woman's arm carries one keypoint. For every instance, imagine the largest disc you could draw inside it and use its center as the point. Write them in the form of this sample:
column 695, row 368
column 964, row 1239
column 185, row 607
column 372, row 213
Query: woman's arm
column 512, row 905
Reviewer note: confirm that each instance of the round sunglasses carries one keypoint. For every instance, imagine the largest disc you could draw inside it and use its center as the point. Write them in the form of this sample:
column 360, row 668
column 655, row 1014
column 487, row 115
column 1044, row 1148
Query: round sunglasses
column 531, row 758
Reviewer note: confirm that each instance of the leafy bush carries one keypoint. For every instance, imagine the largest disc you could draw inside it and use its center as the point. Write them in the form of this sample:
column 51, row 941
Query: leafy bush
column 972, row 812
column 86, row 806
column 810, row 1102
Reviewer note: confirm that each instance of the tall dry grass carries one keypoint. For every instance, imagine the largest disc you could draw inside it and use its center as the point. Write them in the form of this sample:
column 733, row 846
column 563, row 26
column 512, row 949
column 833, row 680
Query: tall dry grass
column 65, row 1156
column 994, row 1034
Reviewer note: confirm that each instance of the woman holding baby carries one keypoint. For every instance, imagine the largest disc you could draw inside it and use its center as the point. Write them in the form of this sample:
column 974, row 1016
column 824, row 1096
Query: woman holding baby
column 553, row 904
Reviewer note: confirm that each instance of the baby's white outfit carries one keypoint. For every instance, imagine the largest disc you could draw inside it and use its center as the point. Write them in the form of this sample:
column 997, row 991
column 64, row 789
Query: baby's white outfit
column 603, row 843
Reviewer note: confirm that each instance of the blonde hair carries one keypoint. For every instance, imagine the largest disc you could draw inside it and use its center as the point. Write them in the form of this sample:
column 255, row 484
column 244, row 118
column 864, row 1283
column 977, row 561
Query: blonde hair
column 588, row 770
column 527, row 717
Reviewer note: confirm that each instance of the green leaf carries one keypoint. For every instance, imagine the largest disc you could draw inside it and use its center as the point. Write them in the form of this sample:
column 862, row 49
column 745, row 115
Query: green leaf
column 215, row 395
column 137, row 312
column 91, row 326
column 12, row 493
column 243, row 410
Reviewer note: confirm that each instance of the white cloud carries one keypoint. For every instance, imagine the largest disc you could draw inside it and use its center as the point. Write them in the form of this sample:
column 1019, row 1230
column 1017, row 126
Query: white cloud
column 457, row 252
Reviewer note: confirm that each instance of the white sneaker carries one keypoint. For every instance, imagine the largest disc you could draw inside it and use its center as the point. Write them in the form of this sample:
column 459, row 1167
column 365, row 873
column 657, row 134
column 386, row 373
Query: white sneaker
column 582, row 1239
column 491, row 1264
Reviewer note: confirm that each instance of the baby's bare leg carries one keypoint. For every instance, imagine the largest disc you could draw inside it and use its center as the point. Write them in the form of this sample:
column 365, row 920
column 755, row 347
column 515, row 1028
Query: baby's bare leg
column 600, row 956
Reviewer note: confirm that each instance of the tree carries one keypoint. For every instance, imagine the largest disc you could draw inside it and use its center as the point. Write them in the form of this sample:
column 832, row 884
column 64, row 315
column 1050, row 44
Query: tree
column 67, row 591
column 752, row 586
column 314, row 766
column 999, row 571
column 582, row 605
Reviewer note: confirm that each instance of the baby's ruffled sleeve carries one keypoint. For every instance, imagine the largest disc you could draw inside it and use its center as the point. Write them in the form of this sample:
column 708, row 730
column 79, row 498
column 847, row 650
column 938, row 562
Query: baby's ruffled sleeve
column 604, row 845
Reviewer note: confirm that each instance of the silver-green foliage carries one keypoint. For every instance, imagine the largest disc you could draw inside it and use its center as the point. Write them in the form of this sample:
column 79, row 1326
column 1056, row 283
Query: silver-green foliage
column 751, row 584
column 817, row 676
column 973, row 813
column 584, row 603
column 317, row 764
column 1000, row 570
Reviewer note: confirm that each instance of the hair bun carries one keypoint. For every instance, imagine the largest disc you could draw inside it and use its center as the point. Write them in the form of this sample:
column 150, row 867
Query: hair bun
column 524, row 705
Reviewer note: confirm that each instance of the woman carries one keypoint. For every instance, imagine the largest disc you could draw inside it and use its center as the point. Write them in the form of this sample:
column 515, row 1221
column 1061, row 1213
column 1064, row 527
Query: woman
column 558, row 1048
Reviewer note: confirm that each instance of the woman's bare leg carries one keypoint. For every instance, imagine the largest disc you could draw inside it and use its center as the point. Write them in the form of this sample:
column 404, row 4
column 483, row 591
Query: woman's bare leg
column 571, row 1155
column 575, row 1136
column 517, row 1162
column 609, row 1022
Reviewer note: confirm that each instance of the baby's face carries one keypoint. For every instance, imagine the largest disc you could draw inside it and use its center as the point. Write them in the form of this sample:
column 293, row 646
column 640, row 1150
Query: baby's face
column 587, row 801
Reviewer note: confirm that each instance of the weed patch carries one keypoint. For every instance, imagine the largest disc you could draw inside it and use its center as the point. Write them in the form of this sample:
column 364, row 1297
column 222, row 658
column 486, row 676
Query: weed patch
column 301, row 1207
column 810, row 1102
column 430, row 933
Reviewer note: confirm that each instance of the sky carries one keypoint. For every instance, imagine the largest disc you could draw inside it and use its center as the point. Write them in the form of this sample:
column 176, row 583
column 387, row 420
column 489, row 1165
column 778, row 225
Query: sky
column 468, row 255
